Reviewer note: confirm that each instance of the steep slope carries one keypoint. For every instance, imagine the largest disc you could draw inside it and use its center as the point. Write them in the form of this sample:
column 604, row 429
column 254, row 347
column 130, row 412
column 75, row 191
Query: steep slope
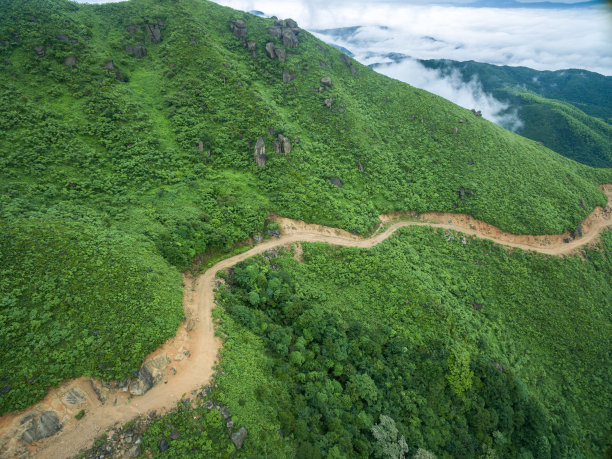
column 107, row 115
column 570, row 111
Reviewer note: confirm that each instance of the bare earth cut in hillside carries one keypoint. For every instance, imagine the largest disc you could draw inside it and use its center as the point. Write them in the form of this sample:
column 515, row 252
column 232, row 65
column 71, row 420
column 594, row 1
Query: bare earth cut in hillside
column 185, row 362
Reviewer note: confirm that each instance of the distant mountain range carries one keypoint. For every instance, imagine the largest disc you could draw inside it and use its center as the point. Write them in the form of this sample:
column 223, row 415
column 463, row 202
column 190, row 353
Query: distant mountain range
column 569, row 111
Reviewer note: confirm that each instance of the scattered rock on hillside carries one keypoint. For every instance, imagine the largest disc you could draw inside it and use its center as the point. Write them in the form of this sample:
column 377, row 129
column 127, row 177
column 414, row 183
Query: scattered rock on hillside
column 336, row 181
column 149, row 375
column 109, row 66
column 153, row 33
column 583, row 205
column 287, row 77
column 239, row 29
column 70, row 61
column 280, row 53
column 498, row 367
column 577, row 232
column 463, row 193
column 260, row 152
column 326, row 81
column 455, row 130
column 252, row 46
column 163, row 445
column 276, row 32
column 347, row 61
column 270, row 50
column 476, row 112
column 477, row 306
column 328, row 102
column 239, row 437
column 39, row 427
column 285, row 144
column 289, row 39
column 40, row 50
column 137, row 51
column 133, row 28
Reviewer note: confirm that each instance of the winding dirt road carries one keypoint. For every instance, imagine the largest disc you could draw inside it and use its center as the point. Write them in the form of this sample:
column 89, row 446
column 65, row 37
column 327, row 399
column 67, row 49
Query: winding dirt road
column 193, row 352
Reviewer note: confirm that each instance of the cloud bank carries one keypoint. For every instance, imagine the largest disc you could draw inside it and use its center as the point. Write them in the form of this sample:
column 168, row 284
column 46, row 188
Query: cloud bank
column 451, row 87
column 543, row 39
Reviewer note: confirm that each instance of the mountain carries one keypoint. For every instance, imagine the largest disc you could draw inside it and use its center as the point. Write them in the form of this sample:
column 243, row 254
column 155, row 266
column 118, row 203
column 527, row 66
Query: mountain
column 570, row 111
column 141, row 139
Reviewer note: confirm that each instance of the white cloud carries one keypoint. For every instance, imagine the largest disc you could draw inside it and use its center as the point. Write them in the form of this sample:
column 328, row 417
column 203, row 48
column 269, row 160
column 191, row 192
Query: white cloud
column 451, row 87
column 544, row 39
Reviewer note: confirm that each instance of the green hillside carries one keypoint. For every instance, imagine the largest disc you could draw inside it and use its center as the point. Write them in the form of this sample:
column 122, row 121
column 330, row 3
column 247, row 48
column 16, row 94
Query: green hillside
column 471, row 350
column 570, row 111
column 127, row 136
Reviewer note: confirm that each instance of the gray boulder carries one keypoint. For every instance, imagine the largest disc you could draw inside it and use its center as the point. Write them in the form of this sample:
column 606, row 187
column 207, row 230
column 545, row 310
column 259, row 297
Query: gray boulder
column 326, row 81
column 276, row 32
column 137, row 51
column 328, row 102
column 70, row 61
column 289, row 39
column 336, row 181
column 133, row 28
column 260, row 152
column 40, row 50
column 239, row 29
column 39, row 427
column 287, row 77
column 280, row 53
column 239, row 437
column 284, row 144
column 109, row 66
column 153, row 33
column 270, row 50
column 149, row 374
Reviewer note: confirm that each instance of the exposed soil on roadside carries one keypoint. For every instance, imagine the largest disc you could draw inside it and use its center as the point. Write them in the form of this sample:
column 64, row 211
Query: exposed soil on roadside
column 193, row 352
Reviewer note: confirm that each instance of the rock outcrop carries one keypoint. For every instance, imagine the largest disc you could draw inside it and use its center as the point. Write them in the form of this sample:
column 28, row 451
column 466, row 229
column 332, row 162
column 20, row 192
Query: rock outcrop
column 347, row 61
column 133, row 28
column 39, row 50
column 239, row 437
column 476, row 112
column 70, row 61
column 286, row 30
column 39, row 427
column 252, row 46
column 239, row 29
column 287, row 77
column 149, row 374
column 153, row 33
column 282, row 145
column 260, row 152
column 326, row 81
column 328, row 102
column 336, row 181
column 137, row 51
column 274, row 52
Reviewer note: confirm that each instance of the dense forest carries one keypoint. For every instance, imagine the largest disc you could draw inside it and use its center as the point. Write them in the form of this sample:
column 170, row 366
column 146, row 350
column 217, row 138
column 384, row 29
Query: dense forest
column 459, row 349
column 131, row 150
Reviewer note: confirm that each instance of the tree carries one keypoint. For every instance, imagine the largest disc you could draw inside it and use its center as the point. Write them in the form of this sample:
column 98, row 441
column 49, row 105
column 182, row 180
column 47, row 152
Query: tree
column 387, row 443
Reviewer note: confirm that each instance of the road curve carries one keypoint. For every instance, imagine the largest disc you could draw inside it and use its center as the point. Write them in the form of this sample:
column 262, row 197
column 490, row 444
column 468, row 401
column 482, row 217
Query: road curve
column 106, row 406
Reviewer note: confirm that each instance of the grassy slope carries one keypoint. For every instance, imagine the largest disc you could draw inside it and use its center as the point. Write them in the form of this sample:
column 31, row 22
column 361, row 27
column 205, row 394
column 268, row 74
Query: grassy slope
column 570, row 111
column 116, row 156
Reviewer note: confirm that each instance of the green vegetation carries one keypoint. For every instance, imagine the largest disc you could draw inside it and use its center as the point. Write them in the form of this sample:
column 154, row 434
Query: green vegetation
column 199, row 433
column 106, row 195
column 466, row 350
column 570, row 111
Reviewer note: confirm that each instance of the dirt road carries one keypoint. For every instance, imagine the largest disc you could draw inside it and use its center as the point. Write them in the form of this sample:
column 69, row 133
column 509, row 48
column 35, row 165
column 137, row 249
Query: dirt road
column 192, row 353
